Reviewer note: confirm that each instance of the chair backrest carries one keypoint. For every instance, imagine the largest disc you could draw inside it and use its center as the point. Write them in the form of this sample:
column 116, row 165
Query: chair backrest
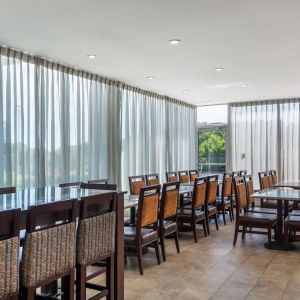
column 148, row 205
column 100, row 181
column 212, row 189
column 152, row 179
column 96, row 227
column 263, row 180
column 99, row 186
column 171, row 176
column 70, row 184
column 242, row 173
column 240, row 194
column 136, row 183
column 184, row 176
column 9, row 252
column 227, row 185
column 193, row 175
column 249, row 189
column 169, row 200
column 7, row 190
column 273, row 173
column 235, row 174
column 199, row 192
column 50, row 242
column 270, row 179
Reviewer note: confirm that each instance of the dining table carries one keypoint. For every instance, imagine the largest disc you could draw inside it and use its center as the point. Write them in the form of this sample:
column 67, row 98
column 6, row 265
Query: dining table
column 24, row 198
column 294, row 184
column 283, row 195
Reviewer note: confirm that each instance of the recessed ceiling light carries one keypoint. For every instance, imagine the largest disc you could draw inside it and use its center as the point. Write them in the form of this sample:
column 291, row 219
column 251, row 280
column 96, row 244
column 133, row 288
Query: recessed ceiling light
column 174, row 41
column 244, row 84
column 91, row 56
column 150, row 77
column 185, row 91
column 261, row 96
column 219, row 69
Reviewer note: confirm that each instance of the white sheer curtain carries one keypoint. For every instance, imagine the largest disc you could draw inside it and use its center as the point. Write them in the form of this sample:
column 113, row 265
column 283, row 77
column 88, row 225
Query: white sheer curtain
column 264, row 136
column 157, row 135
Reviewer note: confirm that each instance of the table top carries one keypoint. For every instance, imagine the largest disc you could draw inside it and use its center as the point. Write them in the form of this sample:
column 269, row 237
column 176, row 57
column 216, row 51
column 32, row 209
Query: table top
column 295, row 184
column 36, row 196
column 278, row 193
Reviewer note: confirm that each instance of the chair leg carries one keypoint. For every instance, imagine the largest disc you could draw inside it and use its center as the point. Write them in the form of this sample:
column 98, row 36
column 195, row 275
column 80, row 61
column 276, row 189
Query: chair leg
column 244, row 232
column 139, row 256
column 230, row 213
column 68, row 286
column 27, row 293
column 207, row 225
column 110, row 277
column 236, row 231
column 177, row 241
column 80, row 282
column 157, row 251
column 269, row 236
column 163, row 246
column 286, row 237
column 194, row 231
column 223, row 213
column 216, row 221
column 204, row 228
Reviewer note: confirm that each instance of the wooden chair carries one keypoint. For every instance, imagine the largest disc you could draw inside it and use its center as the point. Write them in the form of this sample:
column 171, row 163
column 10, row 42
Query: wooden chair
column 184, row 176
column 193, row 175
column 234, row 175
column 291, row 225
column 246, row 218
column 95, row 243
column 224, row 203
column 196, row 213
column 99, row 186
column 242, row 173
column 136, row 183
column 49, row 249
column 251, row 200
column 145, row 233
column 100, row 181
column 273, row 173
column 9, row 249
column 168, row 215
column 7, row 190
column 152, row 179
column 70, row 184
column 265, row 183
column 211, row 200
column 171, row 176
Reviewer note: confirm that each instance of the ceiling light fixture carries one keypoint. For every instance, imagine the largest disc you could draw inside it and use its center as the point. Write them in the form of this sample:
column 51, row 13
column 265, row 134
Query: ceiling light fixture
column 219, row 69
column 174, row 41
column 150, row 77
column 91, row 56
column 244, row 85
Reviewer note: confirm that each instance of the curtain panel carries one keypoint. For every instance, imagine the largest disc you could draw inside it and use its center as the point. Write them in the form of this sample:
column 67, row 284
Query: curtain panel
column 59, row 125
column 264, row 136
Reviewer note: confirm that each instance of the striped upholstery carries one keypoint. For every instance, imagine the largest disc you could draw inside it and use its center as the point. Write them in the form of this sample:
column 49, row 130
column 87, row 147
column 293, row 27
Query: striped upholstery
column 9, row 267
column 96, row 237
column 48, row 253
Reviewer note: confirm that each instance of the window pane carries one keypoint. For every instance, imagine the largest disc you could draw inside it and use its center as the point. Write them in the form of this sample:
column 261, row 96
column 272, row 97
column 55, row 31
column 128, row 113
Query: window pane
column 212, row 114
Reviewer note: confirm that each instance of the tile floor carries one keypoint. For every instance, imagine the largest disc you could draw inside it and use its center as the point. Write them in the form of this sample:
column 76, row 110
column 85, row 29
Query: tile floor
column 214, row 269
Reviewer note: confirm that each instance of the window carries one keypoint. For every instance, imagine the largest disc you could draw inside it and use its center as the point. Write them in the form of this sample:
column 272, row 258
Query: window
column 212, row 128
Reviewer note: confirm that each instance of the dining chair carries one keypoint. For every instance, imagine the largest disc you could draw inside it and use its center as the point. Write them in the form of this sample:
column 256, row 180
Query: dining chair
column 136, row 183
column 152, row 179
column 70, row 184
column 274, row 176
column 145, row 232
column 95, row 244
column 245, row 218
column 195, row 214
column 291, row 225
column 171, row 176
column 224, row 202
column 193, row 175
column 9, row 250
column 184, row 176
column 100, row 181
column 234, row 175
column 211, row 201
column 7, row 190
column 168, row 215
column 49, row 249
column 251, row 201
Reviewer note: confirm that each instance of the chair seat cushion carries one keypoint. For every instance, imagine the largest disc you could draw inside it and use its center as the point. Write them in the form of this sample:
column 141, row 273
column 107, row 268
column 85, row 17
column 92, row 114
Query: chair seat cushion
column 186, row 214
column 148, row 235
column 263, row 210
column 211, row 210
column 293, row 221
column 257, row 218
column 295, row 212
column 169, row 226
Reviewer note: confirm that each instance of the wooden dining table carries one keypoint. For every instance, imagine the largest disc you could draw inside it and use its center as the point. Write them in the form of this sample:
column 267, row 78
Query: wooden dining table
column 282, row 195
column 24, row 198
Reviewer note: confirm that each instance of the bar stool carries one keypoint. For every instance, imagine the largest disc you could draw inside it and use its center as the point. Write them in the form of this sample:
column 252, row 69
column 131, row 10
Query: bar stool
column 49, row 249
column 95, row 243
column 9, row 254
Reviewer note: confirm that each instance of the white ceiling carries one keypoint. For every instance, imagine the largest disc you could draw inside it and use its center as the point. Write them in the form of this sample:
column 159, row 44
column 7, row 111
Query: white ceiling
column 256, row 41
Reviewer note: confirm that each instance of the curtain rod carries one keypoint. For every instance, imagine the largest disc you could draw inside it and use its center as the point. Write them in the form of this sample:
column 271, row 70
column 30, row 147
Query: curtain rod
column 263, row 102
column 41, row 61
